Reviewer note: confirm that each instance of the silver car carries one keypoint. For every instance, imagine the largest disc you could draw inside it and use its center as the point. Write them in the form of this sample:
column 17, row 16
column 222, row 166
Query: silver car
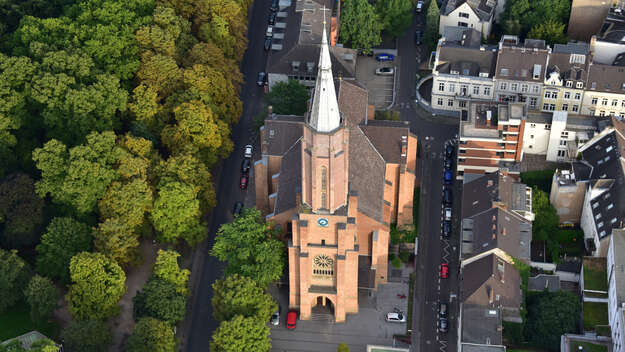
column 275, row 318
column 385, row 71
column 395, row 317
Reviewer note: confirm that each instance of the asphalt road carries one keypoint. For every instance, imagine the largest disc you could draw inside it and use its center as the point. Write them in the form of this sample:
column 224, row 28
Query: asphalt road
column 226, row 181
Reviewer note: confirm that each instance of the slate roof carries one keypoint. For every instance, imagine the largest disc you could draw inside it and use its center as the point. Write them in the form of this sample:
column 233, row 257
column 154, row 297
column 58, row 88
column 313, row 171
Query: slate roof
column 280, row 133
column 520, row 61
column 386, row 137
column 467, row 61
column 488, row 278
column 618, row 241
column 581, row 170
column 484, row 9
column 560, row 62
column 481, row 325
column 290, row 179
column 353, row 102
column 606, row 78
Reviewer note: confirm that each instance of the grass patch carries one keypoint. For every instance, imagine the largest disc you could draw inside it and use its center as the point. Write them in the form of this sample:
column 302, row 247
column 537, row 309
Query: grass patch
column 16, row 321
column 603, row 330
column 595, row 314
column 513, row 333
column 540, row 178
column 588, row 347
column 595, row 275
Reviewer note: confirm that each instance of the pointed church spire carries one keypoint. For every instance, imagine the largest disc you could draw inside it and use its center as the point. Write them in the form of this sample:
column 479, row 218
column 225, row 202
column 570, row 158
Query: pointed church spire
column 324, row 113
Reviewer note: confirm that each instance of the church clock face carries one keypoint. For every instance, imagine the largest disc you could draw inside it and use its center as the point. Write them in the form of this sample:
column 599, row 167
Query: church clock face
column 323, row 261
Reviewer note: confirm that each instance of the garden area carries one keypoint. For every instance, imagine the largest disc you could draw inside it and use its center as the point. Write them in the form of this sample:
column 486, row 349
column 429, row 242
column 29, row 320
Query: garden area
column 595, row 274
column 595, row 313
column 16, row 321
column 587, row 347
column 539, row 178
column 402, row 241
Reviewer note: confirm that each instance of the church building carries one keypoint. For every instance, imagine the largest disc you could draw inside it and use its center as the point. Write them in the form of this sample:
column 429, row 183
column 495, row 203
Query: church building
column 334, row 181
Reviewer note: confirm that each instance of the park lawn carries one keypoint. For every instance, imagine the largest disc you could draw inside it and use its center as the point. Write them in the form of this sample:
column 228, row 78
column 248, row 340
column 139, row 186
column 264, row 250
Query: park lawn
column 540, row 178
column 595, row 314
column 588, row 347
column 16, row 321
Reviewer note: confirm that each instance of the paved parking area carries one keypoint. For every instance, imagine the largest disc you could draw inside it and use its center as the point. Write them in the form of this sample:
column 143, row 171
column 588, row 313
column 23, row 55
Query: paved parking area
column 380, row 87
column 321, row 334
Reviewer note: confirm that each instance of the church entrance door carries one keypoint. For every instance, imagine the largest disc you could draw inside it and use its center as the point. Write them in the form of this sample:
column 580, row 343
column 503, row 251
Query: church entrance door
column 322, row 306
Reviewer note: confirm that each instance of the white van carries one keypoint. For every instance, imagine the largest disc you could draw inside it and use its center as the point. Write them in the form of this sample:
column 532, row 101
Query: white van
column 420, row 5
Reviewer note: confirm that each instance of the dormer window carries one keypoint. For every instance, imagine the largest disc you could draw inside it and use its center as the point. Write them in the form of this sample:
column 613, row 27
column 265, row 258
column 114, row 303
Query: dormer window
column 537, row 71
column 569, row 84
column 505, row 72
column 579, row 85
column 593, row 85
column 454, row 72
column 295, row 65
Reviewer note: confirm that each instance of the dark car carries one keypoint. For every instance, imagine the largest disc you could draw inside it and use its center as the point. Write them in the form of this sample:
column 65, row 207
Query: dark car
column 418, row 35
column 246, row 164
column 449, row 151
column 443, row 325
column 291, row 319
column 449, row 164
column 272, row 18
column 448, row 177
column 385, row 57
column 442, row 309
column 262, row 79
column 238, row 208
column 267, row 43
column 243, row 182
column 446, row 228
column 447, row 197
column 275, row 5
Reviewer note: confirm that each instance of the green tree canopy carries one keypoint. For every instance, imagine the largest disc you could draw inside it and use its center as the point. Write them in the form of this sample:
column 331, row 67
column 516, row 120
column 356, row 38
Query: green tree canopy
column 159, row 300
column 64, row 238
column 14, row 275
column 360, row 25
column 342, row 347
column 166, row 268
column 79, row 176
column 240, row 295
column 432, row 19
column 21, row 211
column 248, row 250
column 241, row 335
column 116, row 240
column 191, row 171
column 87, row 336
column 151, row 335
column 98, row 285
column 127, row 201
column 396, row 15
column 551, row 31
column 41, row 295
column 546, row 221
column 549, row 316
column 523, row 15
column 288, row 98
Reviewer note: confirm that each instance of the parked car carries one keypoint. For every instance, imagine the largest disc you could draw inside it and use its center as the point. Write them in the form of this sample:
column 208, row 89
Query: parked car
column 275, row 5
column 448, row 214
column 243, row 182
column 448, row 177
column 449, row 151
column 446, row 228
column 449, row 164
column 447, row 197
column 291, row 319
column 420, row 6
column 385, row 57
column 247, row 151
column 385, row 71
column 442, row 309
column 238, row 208
column 444, row 271
column 261, row 79
column 395, row 317
column 269, row 32
column 418, row 36
column 272, row 18
column 443, row 325
column 246, row 164
column 275, row 318
column 267, row 43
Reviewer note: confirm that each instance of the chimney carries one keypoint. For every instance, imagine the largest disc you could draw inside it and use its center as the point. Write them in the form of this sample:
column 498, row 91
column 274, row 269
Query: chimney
column 491, row 294
column 489, row 115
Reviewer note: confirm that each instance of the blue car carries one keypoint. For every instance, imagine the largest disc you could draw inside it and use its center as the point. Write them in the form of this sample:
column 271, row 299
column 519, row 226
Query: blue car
column 448, row 177
column 385, row 57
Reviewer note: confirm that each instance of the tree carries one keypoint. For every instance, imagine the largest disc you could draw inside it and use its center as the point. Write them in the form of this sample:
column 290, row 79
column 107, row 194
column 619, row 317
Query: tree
column 177, row 215
column 342, row 347
column 396, row 15
column 166, row 268
column 239, row 295
column 80, row 176
column 98, row 284
column 546, row 221
column 14, row 274
column 159, row 300
column 191, row 171
column 64, row 238
column 523, row 15
column 241, row 334
column 432, row 19
column 195, row 129
column 211, row 86
column 41, row 295
column 160, row 72
column 87, row 336
column 288, row 98
column 248, row 250
column 21, row 210
column 551, row 31
column 360, row 25
column 116, row 240
column 129, row 202
column 550, row 315
column 151, row 335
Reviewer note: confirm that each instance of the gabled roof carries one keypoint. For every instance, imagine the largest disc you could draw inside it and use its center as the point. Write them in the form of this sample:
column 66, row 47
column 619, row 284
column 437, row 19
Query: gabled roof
column 280, row 133
column 386, row 137
column 290, row 180
column 484, row 9
column 606, row 78
column 491, row 282
column 467, row 61
column 353, row 102
column 518, row 62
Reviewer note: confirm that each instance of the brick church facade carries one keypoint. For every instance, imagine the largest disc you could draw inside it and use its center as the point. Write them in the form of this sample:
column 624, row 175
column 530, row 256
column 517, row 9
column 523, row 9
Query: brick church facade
column 334, row 181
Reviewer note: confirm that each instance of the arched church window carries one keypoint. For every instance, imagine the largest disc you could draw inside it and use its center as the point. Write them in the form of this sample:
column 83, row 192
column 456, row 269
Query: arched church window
column 324, row 186
column 323, row 265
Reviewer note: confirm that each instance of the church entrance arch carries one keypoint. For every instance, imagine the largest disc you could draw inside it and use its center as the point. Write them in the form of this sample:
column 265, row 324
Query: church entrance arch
column 322, row 305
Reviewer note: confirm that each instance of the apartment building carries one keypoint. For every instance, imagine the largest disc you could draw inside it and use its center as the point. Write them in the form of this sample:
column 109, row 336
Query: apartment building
column 616, row 289
column 565, row 80
column 521, row 71
column 475, row 14
column 568, row 189
column 586, row 18
column 463, row 70
column 490, row 137
column 605, row 92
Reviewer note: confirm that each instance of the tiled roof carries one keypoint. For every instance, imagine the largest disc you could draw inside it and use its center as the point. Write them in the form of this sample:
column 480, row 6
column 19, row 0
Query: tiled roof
column 466, row 61
column 290, row 181
column 353, row 102
column 386, row 137
column 520, row 62
column 481, row 325
column 560, row 62
column 484, row 9
column 280, row 133
column 606, row 78
column 491, row 281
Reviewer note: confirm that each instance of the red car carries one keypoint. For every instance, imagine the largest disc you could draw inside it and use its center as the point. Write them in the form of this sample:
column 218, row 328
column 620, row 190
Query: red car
column 243, row 183
column 444, row 271
column 291, row 319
